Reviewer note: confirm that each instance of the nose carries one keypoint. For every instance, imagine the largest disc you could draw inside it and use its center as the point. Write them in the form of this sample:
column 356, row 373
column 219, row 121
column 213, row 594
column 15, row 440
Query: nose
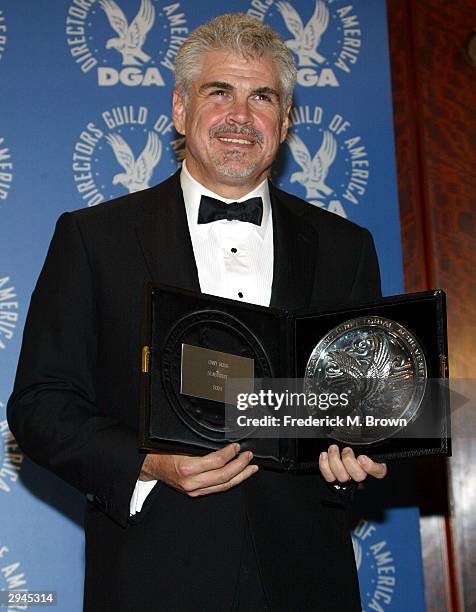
column 240, row 111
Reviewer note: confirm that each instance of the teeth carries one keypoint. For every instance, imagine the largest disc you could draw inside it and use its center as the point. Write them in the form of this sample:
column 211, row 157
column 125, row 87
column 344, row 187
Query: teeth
column 237, row 140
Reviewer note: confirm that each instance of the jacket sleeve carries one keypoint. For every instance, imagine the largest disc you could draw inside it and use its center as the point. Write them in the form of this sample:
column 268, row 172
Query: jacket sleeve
column 366, row 285
column 52, row 411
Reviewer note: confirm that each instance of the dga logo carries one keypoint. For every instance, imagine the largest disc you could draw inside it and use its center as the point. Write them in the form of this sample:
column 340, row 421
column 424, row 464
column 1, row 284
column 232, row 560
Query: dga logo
column 3, row 34
column 12, row 458
column 129, row 42
column 324, row 36
column 6, row 169
column 376, row 567
column 123, row 152
column 8, row 311
column 329, row 162
column 12, row 577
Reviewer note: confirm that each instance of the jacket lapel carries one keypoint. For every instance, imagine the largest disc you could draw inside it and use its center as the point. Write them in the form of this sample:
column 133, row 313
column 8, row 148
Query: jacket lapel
column 295, row 250
column 165, row 239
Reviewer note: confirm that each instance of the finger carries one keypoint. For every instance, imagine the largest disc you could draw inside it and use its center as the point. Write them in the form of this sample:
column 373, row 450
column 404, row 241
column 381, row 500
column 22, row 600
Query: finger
column 352, row 466
column 212, row 461
column 378, row 470
column 324, row 467
column 221, row 475
column 336, row 465
column 240, row 477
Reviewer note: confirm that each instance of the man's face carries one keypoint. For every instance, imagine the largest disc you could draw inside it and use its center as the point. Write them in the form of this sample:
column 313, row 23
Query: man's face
column 233, row 122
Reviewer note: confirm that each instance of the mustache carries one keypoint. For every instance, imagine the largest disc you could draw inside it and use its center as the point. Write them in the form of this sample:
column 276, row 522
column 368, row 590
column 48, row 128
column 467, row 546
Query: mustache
column 219, row 130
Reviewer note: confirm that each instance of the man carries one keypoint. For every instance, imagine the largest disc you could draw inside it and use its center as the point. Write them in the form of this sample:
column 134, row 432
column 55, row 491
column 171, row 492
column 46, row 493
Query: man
column 172, row 532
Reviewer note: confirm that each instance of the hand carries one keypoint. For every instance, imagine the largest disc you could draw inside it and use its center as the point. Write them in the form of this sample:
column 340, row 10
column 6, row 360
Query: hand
column 346, row 467
column 197, row 476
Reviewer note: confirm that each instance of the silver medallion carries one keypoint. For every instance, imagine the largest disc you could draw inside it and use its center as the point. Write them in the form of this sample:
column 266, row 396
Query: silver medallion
column 380, row 367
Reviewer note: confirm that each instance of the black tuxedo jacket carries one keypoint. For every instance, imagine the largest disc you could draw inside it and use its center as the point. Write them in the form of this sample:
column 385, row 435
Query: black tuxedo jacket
column 74, row 410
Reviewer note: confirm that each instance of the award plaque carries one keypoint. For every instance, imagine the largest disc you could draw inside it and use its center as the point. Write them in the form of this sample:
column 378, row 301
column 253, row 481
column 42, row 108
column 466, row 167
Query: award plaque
column 384, row 361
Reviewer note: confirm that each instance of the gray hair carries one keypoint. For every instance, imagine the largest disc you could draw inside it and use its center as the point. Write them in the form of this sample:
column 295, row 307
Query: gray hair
column 240, row 34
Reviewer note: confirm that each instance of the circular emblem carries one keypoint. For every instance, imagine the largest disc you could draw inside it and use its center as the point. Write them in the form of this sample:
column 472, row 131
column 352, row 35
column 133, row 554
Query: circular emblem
column 221, row 332
column 126, row 43
column 126, row 149
column 325, row 37
column 381, row 367
column 326, row 161
column 378, row 568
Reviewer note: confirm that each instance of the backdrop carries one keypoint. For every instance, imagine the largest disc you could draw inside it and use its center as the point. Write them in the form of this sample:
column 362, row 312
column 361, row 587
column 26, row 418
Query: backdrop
column 71, row 96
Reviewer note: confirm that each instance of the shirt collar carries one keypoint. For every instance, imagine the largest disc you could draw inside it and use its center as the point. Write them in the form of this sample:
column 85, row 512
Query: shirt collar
column 193, row 191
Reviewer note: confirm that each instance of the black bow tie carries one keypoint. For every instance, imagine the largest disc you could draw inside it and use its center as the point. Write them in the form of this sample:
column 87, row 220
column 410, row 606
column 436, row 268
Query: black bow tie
column 214, row 210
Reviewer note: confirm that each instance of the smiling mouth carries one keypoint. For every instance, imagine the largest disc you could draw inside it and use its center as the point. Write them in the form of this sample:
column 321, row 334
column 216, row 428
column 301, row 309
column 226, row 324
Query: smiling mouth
column 244, row 137
column 241, row 141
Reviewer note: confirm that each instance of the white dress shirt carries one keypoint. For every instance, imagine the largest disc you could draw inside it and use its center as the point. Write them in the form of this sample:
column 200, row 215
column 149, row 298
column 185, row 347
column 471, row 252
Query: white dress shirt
column 234, row 260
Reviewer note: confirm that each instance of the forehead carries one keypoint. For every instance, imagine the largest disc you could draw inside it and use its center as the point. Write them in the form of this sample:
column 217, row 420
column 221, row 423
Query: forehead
column 240, row 71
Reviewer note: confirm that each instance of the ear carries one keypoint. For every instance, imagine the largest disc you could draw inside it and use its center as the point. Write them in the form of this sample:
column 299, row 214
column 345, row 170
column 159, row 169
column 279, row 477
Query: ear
column 285, row 124
column 178, row 112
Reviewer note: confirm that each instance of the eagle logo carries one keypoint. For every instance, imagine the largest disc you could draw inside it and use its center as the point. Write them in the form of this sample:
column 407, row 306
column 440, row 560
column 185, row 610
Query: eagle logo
column 306, row 38
column 138, row 172
column 130, row 37
column 314, row 170
column 371, row 367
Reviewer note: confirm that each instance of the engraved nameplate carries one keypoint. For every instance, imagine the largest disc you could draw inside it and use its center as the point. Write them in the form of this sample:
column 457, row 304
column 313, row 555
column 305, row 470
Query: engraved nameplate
column 204, row 372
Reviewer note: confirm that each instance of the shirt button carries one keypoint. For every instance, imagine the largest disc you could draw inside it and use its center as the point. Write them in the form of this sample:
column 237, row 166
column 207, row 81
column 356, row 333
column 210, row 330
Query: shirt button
column 233, row 250
column 240, row 295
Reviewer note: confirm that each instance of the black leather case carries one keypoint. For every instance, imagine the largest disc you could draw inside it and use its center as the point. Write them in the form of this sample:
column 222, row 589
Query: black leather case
column 280, row 342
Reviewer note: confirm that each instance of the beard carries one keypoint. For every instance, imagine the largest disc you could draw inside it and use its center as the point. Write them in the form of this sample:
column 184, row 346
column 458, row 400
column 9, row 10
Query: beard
column 234, row 164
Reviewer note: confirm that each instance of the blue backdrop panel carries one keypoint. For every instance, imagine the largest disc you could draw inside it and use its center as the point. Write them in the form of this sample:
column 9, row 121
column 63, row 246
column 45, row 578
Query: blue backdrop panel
column 383, row 551
column 71, row 99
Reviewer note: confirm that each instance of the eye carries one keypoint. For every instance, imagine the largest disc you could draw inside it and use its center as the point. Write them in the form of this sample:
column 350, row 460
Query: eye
column 219, row 96
column 263, row 97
